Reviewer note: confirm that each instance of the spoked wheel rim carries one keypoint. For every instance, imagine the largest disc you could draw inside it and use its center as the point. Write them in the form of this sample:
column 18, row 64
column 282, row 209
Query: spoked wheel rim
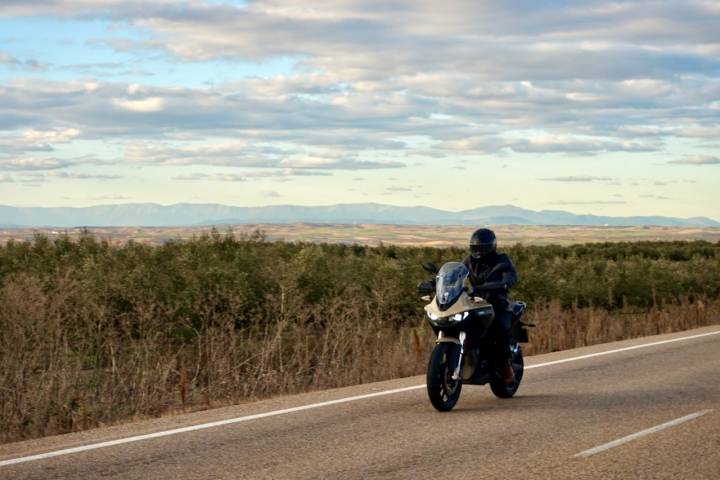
column 448, row 386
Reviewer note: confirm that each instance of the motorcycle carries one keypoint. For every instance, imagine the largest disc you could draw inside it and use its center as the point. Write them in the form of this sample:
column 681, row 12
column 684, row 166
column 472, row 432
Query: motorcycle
column 463, row 325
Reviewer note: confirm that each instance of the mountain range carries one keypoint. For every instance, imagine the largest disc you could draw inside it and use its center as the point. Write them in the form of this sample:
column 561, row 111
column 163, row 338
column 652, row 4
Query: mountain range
column 189, row 214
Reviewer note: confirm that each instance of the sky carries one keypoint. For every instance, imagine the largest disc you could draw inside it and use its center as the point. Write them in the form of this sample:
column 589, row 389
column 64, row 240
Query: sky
column 611, row 108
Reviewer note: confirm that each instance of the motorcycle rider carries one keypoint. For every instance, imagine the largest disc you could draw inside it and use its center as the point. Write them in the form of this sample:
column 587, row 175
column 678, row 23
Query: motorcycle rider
column 491, row 276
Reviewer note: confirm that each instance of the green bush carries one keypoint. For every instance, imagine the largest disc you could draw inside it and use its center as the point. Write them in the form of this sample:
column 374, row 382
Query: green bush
column 217, row 271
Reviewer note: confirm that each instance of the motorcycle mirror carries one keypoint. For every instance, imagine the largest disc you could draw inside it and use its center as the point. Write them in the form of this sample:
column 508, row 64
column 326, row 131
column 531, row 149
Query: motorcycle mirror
column 430, row 267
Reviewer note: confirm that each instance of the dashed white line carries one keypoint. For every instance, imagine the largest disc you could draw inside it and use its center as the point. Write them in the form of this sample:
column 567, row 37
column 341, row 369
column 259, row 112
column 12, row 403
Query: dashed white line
column 202, row 426
column 641, row 433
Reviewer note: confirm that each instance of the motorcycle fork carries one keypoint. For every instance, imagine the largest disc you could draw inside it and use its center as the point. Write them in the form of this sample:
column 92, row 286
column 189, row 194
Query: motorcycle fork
column 459, row 341
column 458, row 368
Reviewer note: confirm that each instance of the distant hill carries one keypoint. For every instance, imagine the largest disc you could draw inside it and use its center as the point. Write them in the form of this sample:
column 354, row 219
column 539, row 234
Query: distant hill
column 191, row 214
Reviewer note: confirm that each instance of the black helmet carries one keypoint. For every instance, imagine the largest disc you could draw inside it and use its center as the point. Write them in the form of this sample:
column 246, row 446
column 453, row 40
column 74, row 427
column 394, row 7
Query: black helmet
column 482, row 243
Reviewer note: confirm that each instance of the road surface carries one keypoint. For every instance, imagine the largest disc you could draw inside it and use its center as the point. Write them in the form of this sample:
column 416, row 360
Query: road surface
column 644, row 408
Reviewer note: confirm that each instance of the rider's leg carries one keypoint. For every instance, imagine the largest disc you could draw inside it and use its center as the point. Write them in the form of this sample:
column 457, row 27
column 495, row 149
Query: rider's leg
column 503, row 322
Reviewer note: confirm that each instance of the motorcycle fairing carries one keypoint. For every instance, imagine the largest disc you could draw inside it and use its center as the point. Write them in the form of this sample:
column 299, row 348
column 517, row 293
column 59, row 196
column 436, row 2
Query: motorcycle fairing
column 463, row 304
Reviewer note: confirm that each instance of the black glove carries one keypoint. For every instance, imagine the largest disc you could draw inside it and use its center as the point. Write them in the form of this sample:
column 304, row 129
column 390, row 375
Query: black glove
column 493, row 286
column 427, row 286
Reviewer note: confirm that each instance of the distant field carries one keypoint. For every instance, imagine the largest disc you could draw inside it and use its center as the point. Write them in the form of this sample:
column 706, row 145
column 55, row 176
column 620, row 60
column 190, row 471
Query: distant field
column 432, row 235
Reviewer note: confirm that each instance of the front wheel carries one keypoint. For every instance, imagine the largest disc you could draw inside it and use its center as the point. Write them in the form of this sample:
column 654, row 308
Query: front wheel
column 443, row 391
column 502, row 389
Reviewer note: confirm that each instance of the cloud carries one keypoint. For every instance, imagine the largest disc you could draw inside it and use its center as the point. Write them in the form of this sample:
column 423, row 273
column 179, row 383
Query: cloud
column 249, row 175
column 325, row 163
column 224, row 152
column 32, row 163
column 711, row 132
column 46, row 176
column 7, row 59
column 368, row 82
column 62, row 135
column 220, row 177
column 82, row 176
column 5, row 178
column 577, row 179
column 27, row 65
column 517, row 40
column 549, row 144
column 150, row 104
column 100, row 198
column 589, row 202
column 697, row 160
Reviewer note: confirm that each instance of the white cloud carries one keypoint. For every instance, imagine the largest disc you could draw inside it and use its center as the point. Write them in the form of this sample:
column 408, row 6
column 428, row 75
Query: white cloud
column 578, row 179
column 309, row 162
column 50, row 136
column 589, row 202
column 7, row 59
column 81, row 176
column 550, row 144
column 697, row 160
column 286, row 174
column 91, row 87
column 220, row 177
column 328, row 163
column 32, row 163
column 699, row 132
column 101, row 198
column 150, row 104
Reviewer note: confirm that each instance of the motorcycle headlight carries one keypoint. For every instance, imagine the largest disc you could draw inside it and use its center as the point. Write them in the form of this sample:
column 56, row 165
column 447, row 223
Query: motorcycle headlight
column 459, row 317
column 432, row 316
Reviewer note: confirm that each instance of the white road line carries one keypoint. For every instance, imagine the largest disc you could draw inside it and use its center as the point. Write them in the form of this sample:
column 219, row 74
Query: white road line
column 641, row 433
column 618, row 350
column 202, row 426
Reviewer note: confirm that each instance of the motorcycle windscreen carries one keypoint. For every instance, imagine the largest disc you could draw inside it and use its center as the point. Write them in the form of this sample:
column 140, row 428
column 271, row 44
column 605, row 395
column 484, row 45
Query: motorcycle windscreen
column 450, row 282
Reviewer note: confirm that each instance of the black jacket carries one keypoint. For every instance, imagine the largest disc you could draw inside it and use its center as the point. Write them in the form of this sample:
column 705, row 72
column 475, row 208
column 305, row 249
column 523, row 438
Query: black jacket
column 492, row 277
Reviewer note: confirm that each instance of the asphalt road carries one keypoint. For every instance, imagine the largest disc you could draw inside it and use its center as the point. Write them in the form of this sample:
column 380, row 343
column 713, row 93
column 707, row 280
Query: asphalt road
column 560, row 411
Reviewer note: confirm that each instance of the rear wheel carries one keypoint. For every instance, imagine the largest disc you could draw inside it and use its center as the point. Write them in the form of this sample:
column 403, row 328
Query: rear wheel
column 443, row 391
column 498, row 386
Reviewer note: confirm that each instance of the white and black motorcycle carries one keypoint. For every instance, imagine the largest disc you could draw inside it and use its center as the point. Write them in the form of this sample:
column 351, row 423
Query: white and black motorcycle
column 462, row 353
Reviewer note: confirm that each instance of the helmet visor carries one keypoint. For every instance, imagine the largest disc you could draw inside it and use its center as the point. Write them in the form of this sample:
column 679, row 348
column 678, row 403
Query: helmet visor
column 480, row 250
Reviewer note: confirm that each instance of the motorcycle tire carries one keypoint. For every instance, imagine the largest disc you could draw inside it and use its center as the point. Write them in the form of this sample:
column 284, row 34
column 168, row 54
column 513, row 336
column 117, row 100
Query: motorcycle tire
column 502, row 389
column 443, row 391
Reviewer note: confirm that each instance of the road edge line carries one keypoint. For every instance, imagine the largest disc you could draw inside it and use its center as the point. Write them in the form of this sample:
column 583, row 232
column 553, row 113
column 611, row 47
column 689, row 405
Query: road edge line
column 618, row 350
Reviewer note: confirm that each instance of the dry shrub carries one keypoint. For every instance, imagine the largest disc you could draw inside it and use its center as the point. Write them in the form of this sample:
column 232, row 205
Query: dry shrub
column 561, row 329
column 65, row 365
